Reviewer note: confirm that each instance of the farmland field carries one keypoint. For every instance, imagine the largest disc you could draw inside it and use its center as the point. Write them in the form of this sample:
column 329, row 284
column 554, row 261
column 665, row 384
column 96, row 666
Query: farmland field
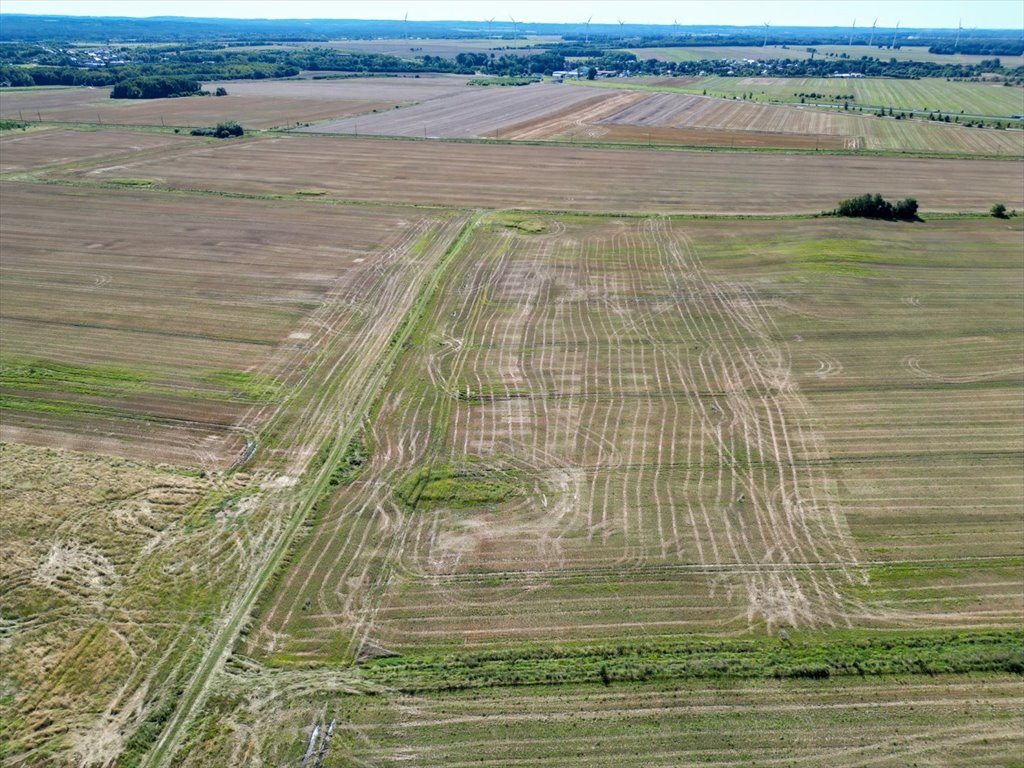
column 716, row 441
column 680, row 118
column 755, row 52
column 323, row 450
column 925, row 95
column 611, row 436
column 905, row 53
column 472, row 113
column 567, row 178
column 415, row 47
column 173, row 327
column 253, row 104
column 27, row 150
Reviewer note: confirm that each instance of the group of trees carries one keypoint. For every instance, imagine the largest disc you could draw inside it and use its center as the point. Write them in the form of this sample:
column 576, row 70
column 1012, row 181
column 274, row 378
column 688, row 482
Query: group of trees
column 220, row 131
column 155, row 88
column 868, row 206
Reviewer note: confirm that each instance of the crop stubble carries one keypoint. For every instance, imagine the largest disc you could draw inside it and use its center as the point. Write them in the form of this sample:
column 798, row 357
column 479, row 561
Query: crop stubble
column 571, row 178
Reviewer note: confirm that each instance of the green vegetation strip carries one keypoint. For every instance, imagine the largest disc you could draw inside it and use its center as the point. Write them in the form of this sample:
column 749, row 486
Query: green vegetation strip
column 803, row 655
column 25, row 375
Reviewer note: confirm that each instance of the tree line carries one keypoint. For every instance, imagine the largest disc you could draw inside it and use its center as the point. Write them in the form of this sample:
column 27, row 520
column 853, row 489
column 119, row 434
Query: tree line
column 203, row 63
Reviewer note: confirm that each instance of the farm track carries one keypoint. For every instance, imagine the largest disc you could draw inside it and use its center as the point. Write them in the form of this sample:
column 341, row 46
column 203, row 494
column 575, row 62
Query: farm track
column 362, row 393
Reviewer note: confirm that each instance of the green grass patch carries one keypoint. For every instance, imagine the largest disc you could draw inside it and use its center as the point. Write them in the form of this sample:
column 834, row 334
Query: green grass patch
column 533, row 225
column 132, row 182
column 455, row 487
column 246, row 385
column 835, row 256
column 113, row 382
column 101, row 381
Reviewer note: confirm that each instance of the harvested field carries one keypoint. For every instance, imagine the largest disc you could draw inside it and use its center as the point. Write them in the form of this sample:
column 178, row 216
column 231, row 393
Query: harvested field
column 254, row 104
column 22, row 151
column 418, row 47
column 577, row 178
column 506, row 486
column 904, row 53
column 789, row 126
column 402, row 89
column 840, row 724
column 173, row 327
column 449, row 49
column 474, row 112
column 756, row 53
column 672, row 110
column 573, row 117
column 613, row 133
column 926, row 94
column 604, row 428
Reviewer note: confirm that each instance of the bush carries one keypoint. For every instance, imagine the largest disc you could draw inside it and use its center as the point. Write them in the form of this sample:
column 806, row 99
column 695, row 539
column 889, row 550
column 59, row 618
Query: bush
column 874, row 206
column 999, row 211
column 221, row 91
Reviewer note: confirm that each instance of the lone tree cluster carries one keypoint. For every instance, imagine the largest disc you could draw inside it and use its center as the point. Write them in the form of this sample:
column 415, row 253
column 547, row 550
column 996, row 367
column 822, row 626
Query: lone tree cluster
column 221, row 131
column 874, row 206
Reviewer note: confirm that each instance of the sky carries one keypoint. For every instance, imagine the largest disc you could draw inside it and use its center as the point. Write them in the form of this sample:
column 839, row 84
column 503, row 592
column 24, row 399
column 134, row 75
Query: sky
column 981, row 14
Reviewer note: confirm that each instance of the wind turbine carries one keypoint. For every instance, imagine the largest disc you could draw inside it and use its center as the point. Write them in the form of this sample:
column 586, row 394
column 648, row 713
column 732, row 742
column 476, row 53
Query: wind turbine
column 588, row 30
column 959, row 29
column 515, row 29
column 893, row 46
column 871, row 39
column 490, row 21
column 405, row 25
column 675, row 27
column 622, row 36
column 767, row 24
column 852, row 29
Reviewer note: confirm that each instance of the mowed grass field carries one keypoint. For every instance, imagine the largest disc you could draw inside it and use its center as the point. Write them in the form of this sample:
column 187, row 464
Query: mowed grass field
column 564, row 177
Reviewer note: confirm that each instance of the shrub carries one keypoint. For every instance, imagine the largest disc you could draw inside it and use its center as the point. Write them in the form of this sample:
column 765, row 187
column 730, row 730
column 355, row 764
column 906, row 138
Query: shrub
column 999, row 211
